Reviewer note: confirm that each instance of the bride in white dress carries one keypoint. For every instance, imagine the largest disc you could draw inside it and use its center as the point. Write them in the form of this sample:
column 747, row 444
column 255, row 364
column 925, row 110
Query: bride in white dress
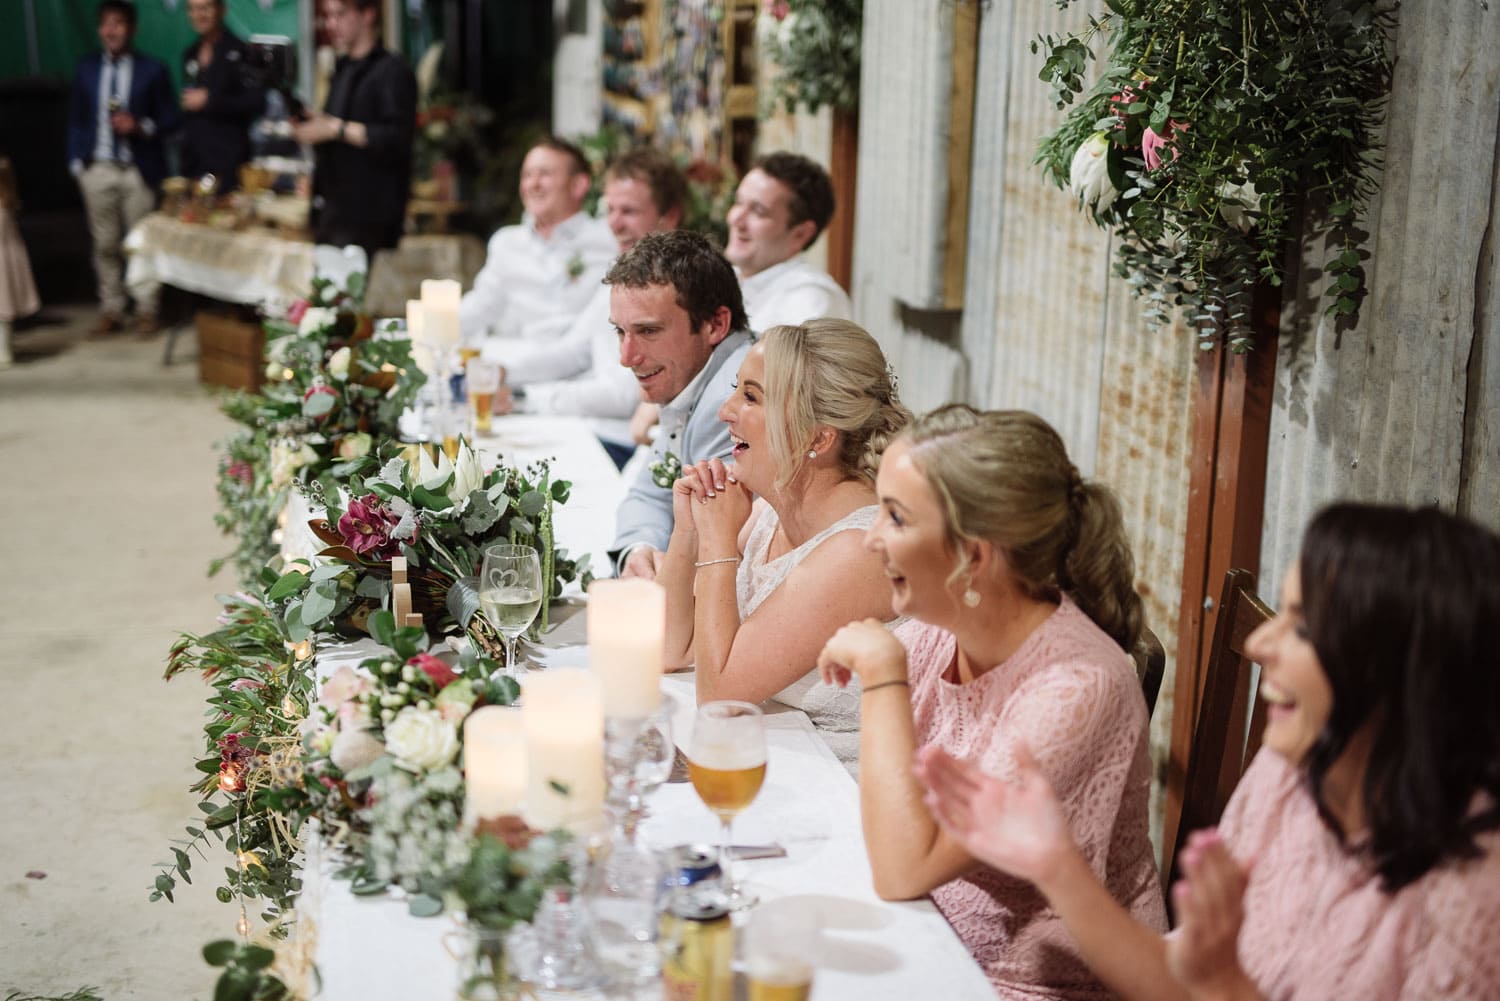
column 755, row 587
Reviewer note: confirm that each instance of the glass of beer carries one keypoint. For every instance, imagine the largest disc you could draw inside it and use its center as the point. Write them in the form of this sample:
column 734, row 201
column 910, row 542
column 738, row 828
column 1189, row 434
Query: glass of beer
column 778, row 942
column 727, row 764
column 510, row 593
column 482, row 380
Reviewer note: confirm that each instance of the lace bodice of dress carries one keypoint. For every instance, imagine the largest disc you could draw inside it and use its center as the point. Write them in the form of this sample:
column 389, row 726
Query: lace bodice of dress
column 834, row 711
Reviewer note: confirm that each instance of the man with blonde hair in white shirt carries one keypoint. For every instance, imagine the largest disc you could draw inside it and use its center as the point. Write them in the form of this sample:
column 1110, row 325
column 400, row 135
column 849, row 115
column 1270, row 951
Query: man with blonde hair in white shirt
column 539, row 274
column 580, row 373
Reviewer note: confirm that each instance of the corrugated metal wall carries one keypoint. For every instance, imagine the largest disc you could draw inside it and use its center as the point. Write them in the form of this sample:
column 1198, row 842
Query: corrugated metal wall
column 1406, row 407
column 1044, row 325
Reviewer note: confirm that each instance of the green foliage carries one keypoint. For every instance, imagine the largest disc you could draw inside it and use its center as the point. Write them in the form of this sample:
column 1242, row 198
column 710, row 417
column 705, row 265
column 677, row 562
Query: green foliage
column 443, row 533
column 247, row 972
column 252, row 793
column 500, row 886
column 815, row 45
column 1262, row 113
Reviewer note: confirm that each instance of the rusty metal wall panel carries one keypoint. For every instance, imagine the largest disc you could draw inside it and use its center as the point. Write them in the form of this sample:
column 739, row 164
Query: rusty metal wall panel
column 1038, row 269
column 1048, row 329
column 1403, row 408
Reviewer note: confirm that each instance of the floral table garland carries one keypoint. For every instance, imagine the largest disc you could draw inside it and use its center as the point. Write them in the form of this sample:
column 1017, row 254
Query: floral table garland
column 373, row 752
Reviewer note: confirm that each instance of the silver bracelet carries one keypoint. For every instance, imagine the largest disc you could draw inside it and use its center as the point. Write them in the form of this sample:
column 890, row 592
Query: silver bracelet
column 709, row 563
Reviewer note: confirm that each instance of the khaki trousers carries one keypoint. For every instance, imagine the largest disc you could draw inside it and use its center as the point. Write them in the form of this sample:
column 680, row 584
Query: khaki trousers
column 116, row 199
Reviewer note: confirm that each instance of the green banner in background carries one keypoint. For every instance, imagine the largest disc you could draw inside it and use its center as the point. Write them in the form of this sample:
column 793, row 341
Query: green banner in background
column 66, row 30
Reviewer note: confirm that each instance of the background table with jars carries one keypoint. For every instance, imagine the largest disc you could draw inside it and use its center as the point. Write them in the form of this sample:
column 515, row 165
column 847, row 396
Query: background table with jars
column 868, row 949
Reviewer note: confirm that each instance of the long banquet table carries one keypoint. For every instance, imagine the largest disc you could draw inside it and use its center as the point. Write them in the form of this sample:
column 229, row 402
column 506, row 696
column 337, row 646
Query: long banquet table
column 369, row 947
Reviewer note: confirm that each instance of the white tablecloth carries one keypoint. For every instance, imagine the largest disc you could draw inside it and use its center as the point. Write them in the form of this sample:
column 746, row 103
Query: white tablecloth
column 246, row 266
column 370, row 948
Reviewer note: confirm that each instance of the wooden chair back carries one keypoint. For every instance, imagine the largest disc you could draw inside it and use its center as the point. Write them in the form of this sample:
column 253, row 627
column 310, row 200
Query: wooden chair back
column 1222, row 744
column 1150, row 664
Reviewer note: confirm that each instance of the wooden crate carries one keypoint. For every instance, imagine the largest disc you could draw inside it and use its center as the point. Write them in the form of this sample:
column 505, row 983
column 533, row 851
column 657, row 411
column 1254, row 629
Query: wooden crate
column 230, row 351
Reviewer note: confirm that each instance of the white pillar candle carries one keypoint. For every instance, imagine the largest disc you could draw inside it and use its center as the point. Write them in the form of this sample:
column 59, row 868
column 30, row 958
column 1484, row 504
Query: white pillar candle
column 627, row 622
column 414, row 320
column 440, row 299
column 494, row 763
column 562, row 712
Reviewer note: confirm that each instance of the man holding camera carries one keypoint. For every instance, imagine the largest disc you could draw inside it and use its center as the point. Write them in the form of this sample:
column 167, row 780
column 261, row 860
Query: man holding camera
column 363, row 136
column 219, row 100
column 122, row 107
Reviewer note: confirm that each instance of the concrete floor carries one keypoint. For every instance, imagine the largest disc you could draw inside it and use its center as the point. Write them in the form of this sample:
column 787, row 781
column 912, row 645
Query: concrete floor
column 107, row 500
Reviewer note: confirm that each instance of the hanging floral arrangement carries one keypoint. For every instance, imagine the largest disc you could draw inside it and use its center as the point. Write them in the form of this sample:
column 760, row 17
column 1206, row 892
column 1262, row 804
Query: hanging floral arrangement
column 815, row 45
column 1215, row 129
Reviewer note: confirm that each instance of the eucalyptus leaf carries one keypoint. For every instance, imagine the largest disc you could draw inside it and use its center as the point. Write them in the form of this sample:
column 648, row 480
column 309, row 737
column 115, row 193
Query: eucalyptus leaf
column 218, row 953
column 463, row 600
column 287, row 584
column 422, row 905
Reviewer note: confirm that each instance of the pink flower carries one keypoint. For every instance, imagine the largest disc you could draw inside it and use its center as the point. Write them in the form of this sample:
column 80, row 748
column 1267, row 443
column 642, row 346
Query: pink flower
column 241, row 471
column 295, row 311
column 778, row 9
column 441, row 674
column 1152, row 143
column 367, row 527
column 245, row 684
column 343, row 685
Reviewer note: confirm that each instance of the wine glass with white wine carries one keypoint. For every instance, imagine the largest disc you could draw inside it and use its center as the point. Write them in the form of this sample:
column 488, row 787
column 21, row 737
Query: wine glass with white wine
column 727, row 764
column 510, row 593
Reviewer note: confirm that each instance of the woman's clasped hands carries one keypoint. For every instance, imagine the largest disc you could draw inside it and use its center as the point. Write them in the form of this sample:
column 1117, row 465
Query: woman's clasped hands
column 711, row 503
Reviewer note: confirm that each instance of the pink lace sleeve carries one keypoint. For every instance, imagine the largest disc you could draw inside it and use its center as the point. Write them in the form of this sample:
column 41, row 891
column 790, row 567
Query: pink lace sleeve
column 1083, row 726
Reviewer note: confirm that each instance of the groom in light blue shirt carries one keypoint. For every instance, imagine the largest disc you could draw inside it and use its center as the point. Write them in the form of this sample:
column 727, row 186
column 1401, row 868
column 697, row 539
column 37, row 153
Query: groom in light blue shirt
column 675, row 304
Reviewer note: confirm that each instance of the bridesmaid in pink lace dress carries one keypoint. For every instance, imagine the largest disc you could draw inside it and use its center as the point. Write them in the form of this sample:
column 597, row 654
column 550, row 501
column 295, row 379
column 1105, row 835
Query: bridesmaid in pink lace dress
column 1022, row 581
column 1360, row 854
column 755, row 587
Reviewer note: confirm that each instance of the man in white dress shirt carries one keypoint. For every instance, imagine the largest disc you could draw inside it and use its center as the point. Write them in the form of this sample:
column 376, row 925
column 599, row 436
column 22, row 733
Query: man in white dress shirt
column 780, row 208
column 538, row 275
column 645, row 192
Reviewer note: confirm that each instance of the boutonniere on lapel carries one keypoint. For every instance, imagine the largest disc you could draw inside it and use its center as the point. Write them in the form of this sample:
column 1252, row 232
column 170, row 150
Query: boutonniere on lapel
column 575, row 266
column 666, row 470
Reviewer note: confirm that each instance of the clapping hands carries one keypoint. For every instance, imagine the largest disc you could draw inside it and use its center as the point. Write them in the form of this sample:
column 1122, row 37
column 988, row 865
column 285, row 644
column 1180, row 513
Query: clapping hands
column 1209, row 901
column 1016, row 826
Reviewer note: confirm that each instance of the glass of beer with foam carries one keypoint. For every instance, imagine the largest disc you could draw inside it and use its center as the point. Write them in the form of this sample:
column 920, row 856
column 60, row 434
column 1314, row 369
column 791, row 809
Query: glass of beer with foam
column 727, row 764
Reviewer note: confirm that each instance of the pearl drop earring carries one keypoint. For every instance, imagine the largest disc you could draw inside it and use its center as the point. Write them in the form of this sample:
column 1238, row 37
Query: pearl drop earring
column 812, row 453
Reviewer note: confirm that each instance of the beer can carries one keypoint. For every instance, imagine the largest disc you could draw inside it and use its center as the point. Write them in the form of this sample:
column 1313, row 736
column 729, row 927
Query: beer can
column 697, row 942
column 687, row 865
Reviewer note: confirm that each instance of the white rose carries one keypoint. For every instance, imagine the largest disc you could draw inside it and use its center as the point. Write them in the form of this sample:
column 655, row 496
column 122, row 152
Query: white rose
column 352, row 446
column 338, row 364
column 1088, row 175
column 354, row 748
column 315, row 319
column 274, row 369
column 421, row 739
column 1239, row 200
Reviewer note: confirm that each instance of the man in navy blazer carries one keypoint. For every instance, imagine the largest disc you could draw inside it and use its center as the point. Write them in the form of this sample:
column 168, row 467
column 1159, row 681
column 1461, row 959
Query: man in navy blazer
column 123, row 107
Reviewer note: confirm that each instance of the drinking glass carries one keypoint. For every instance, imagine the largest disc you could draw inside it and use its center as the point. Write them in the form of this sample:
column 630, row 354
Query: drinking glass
column 481, row 381
column 510, row 593
column 779, row 942
column 727, row 765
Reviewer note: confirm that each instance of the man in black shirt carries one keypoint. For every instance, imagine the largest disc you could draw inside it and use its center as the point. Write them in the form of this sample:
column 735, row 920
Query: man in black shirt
column 363, row 135
column 218, row 101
